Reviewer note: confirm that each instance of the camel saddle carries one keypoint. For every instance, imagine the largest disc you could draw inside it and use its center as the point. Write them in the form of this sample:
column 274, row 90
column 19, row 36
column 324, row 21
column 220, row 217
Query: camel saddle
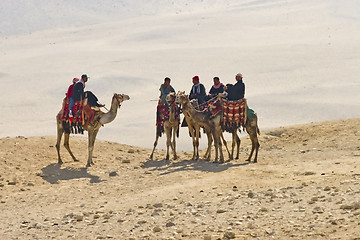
column 234, row 113
column 83, row 115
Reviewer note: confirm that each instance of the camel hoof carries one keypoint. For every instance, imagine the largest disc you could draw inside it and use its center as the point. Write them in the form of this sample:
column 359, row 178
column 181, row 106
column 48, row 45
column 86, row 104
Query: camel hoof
column 89, row 164
column 175, row 157
column 60, row 162
column 75, row 160
column 151, row 157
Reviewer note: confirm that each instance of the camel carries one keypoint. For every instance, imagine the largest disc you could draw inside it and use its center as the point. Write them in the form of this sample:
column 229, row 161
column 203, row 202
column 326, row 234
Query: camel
column 171, row 128
column 252, row 129
column 198, row 119
column 92, row 128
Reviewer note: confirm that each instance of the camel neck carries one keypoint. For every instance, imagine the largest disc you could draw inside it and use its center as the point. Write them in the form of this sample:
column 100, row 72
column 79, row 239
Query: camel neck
column 111, row 114
column 187, row 107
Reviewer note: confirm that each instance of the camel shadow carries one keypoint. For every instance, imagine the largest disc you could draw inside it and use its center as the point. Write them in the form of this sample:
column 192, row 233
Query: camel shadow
column 53, row 173
column 168, row 167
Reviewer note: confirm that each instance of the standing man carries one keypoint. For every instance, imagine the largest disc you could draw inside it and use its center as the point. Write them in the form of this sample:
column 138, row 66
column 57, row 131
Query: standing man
column 236, row 91
column 197, row 91
column 165, row 89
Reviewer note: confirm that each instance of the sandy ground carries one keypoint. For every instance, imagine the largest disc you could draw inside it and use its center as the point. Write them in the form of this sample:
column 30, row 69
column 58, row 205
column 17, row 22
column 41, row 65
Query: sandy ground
column 305, row 186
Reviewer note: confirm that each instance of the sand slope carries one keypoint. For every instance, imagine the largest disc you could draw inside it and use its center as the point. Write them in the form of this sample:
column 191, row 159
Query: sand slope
column 305, row 186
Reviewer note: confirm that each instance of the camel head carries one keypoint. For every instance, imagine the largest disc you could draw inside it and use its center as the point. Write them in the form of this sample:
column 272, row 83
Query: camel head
column 120, row 98
column 171, row 97
column 181, row 97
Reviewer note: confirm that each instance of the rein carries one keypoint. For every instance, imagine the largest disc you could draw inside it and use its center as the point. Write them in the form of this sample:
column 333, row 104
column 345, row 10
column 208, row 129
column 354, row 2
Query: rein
column 118, row 100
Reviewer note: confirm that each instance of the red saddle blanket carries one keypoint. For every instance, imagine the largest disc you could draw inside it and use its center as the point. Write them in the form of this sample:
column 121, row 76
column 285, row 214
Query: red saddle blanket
column 234, row 113
column 73, row 124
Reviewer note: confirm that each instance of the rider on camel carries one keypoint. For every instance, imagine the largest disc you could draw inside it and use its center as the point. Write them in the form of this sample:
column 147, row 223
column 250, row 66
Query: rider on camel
column 165, row 89
column 197, row 91
column 69, row 95
column 236, row 91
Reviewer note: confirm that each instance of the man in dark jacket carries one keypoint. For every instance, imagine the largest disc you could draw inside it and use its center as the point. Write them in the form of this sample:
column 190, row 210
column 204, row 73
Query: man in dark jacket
column 78, row 90
column 197, row 91
column 217, row 88
column 236, row 91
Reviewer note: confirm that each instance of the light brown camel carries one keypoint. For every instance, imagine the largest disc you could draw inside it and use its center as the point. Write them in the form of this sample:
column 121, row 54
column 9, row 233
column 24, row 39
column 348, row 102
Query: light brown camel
column 171, row 128
column 92, row 128
column 252, row 129
column 198, row 119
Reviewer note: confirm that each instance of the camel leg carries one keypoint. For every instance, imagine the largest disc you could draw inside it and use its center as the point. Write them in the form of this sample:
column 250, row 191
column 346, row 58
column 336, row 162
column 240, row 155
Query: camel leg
column 225, row 144
column 155, row 144
column 67, row 146
column 216, row 147
column 191, row 131
column 232, row 145
column 168, row 141
column 60, row 132
column 197, row 132
column 173, row 145
column 252, row 131
column 238, row 141
column 220, row 147
column 218, row 144
column 207, row 155
column 92, row 137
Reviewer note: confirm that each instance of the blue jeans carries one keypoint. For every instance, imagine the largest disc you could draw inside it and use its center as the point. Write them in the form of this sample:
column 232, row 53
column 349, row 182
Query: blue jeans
column 71, row 104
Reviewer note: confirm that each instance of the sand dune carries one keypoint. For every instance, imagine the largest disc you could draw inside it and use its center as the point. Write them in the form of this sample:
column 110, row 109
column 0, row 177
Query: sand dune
column 305, row 186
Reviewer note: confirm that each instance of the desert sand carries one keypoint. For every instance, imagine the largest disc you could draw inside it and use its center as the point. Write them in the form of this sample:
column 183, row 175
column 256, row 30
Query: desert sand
column 304, row 186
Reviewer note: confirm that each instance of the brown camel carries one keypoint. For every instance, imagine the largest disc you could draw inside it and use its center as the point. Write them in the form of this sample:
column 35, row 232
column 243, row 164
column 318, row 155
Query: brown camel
column 92, row 128
column 198, row 119
column 252, row 129
column 171, row 128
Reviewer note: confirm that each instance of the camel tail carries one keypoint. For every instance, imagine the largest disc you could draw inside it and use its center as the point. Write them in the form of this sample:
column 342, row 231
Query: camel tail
column 257, row 129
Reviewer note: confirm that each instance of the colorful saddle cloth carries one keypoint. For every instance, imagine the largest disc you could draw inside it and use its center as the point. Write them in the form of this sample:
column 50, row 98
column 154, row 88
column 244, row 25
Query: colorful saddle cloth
column 213, row 107
column 163, row 114
column 234, row 113
column 83, row 115
column 72, row 124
